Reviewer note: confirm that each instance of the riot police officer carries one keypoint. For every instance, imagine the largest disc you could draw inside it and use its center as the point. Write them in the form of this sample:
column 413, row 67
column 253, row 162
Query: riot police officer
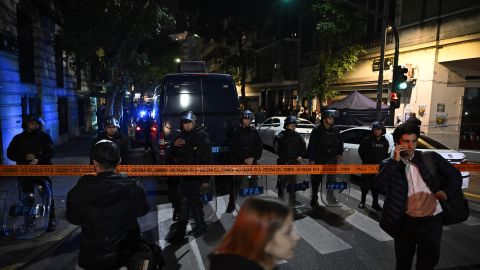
column 112, row 133
column 33, row 146
column 325, row 146
column 246, row 148
column 191, row 147
column 373, row 149
column 291, row 146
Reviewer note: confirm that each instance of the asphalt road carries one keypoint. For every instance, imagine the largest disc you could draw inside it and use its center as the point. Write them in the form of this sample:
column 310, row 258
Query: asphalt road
column 331, row 237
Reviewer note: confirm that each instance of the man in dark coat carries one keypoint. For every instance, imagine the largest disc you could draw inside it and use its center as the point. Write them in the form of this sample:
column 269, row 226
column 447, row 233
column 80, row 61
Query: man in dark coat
column 291, row 147
column 373, row 149
column 411, row 211
column 191, row 147
column 112, row 133
column 246, row 148
column 33, row 146
column 412, row 118
column 106, row 206
column 324, row 147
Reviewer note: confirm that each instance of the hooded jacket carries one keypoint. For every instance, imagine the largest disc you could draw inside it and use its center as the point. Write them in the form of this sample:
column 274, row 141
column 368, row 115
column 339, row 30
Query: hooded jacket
column 106, row 206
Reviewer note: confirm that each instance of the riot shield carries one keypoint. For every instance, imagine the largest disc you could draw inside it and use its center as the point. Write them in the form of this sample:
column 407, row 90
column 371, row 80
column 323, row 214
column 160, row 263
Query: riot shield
column 335, row 188
column 249, row 185
column 208, row 197
column 27, row 208
column 294, row 189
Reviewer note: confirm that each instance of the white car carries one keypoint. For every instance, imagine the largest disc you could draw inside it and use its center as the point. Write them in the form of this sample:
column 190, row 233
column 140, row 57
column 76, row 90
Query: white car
column 353, row 136
column 270, row 128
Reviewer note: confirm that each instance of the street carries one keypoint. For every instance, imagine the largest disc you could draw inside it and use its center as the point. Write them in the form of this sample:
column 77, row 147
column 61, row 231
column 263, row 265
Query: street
column 331, row 237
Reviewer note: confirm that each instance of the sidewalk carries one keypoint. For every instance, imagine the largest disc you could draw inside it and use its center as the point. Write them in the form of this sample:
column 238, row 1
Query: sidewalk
column 16, row 253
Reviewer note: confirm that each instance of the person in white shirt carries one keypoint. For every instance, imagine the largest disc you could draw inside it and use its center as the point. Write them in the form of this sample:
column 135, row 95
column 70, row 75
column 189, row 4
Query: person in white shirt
column 411, row 211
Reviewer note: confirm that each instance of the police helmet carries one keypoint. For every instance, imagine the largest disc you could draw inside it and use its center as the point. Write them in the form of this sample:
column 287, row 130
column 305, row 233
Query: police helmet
column 32, row 118
column 187, row 116
column 110, row 121
column 329, row 113
column 247, row 114
column 289, row 120
column 379, row 125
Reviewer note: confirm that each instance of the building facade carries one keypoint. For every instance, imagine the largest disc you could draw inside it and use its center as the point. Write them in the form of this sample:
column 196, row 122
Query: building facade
column 36, row 77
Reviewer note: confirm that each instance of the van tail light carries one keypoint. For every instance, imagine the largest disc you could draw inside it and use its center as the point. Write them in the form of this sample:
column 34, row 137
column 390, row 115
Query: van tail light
column 162, row 147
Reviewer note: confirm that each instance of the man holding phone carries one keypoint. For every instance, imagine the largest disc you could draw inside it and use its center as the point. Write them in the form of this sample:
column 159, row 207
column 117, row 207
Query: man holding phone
column 411, row 211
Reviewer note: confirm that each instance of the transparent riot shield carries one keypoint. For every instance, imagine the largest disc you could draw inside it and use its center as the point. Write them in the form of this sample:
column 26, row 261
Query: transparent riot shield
column 335, row 188
column 249, row 185
column 294, row 189
column 27, row 208
column 208, row 197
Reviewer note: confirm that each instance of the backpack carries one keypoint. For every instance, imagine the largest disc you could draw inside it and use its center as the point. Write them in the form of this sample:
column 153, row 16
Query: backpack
column 147, row 256
column 455, row 208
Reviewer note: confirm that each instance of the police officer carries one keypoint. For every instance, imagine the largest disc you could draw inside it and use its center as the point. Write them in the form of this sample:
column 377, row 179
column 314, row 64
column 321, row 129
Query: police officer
column 246, row 147
column 191, row 147
column 112, row 133
column 373, row 149
column 33, row 146
column 291, row 146
column 325, row 146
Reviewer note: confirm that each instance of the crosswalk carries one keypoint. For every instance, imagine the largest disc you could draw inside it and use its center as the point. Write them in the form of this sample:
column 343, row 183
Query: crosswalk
column 318, row 237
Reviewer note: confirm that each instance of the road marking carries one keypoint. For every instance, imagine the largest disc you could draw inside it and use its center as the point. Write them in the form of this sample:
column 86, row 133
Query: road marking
column 321, row 239
column 472, row 221
column 368, row 226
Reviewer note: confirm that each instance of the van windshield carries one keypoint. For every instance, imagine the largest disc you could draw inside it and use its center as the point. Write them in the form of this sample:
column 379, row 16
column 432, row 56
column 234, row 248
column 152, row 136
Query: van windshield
column 220, row 95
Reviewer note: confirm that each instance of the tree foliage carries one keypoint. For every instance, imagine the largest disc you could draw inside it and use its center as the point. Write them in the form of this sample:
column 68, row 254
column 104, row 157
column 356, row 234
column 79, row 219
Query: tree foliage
column 116, row 35
column 337, row 26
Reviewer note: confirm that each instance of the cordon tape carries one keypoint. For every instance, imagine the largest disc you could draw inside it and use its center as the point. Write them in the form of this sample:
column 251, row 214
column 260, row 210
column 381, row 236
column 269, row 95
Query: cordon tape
column 192, row 170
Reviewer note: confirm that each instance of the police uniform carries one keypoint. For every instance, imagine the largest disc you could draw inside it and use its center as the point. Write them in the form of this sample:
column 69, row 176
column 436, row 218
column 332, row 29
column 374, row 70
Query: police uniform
column 372, row 150
column 245, row 143
column 323, row 147
column 41, row 145
column 291, row 145
column 195, row 151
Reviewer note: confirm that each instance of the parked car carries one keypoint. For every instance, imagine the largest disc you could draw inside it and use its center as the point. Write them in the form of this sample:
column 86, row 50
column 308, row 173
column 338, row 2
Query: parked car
column 270, row 128
column 353, row 136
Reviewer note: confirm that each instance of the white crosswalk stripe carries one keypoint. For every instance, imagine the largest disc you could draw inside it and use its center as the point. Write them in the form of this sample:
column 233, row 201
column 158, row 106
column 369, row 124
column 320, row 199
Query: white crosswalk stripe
column 318, row 237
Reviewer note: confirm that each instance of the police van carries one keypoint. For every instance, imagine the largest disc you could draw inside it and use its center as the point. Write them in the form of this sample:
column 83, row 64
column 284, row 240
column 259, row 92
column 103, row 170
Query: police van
column 214, row 100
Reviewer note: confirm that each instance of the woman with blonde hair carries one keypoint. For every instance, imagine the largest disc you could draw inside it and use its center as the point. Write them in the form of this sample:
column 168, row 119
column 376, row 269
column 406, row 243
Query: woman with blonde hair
column 261, row 236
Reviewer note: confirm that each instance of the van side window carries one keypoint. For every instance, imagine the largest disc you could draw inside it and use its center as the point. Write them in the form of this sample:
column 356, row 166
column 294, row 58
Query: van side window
column 222, row 95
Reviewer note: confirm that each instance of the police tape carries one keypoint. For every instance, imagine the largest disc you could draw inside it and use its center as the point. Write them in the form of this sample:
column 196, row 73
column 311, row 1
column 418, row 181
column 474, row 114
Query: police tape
column 197, row 170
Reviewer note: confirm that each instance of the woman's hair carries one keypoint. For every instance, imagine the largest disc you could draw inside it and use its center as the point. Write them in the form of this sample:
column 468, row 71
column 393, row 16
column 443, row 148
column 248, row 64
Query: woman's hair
column 256, row 223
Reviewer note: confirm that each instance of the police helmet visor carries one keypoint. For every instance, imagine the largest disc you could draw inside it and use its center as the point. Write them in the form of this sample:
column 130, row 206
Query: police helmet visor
column 247, row 114
column 111, row 121
column 187, row 117
column 330, row 113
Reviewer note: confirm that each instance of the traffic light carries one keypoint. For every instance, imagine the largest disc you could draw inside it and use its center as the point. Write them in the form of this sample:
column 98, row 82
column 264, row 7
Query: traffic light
column 394, row 100
column 399, row 81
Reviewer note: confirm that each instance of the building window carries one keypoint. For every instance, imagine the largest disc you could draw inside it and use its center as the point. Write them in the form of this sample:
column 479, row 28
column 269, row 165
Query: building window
column 62, row 115
column 59, row 63
column 31, row 105
column 25, row 45
column 470, row 128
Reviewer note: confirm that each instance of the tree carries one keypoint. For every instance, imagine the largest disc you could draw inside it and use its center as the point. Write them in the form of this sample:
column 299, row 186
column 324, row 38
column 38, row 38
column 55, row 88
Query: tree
column 114, row 35
column 231, row 25
column 337, row 26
